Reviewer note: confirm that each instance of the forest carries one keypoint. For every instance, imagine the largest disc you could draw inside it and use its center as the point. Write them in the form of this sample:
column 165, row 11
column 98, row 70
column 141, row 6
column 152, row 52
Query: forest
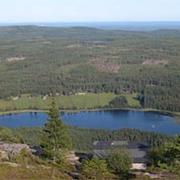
column 40, row 61
column 57, row 151
column 83, row 138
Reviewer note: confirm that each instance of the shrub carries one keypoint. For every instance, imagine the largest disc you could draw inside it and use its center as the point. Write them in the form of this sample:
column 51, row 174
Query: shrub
column 96, row 169
column 6, row 135
column 119, row 102
column 167, row 156
column 26, row 158
column 119, row 162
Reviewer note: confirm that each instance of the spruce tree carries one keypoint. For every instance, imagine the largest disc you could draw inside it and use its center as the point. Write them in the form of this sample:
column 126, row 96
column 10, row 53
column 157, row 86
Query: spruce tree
column 55, row 138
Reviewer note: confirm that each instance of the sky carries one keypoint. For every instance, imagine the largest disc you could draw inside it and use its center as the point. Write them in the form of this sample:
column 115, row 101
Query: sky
column 88, row 10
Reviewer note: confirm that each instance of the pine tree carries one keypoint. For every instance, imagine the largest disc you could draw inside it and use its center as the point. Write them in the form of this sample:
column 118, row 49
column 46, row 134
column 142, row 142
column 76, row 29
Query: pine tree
column 55, row 138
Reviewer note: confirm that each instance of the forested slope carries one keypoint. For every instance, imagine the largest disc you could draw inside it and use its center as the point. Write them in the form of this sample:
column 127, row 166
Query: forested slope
column 41, row 60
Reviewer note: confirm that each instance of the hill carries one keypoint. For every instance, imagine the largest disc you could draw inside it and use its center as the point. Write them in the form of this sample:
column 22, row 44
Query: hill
column 41, row 60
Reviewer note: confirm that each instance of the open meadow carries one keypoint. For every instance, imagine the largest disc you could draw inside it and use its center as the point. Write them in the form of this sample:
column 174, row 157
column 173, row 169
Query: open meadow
column 81, row 101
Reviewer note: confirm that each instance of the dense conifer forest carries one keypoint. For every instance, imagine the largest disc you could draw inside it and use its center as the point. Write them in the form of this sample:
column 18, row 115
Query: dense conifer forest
column 65, row 61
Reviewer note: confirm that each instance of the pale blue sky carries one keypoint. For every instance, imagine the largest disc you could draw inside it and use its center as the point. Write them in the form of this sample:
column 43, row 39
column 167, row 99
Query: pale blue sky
column 89, row 10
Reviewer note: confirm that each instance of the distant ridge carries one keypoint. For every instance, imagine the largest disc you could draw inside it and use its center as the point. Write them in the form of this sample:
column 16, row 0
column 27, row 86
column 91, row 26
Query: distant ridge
column 132, row 26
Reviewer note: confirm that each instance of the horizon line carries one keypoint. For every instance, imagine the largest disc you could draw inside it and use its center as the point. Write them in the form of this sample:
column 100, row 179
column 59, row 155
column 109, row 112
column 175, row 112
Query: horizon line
column 137, row 21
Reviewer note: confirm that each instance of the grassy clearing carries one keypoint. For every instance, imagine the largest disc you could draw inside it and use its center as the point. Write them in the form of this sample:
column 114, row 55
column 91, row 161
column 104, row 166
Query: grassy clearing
column 34, row 173
column 73, row 102
column 132, row 102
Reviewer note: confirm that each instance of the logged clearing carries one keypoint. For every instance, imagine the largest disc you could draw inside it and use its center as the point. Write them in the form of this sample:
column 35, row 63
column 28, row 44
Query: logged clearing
column 107, row 67
column 14, row 59
column 71, row 46
column 155, row 62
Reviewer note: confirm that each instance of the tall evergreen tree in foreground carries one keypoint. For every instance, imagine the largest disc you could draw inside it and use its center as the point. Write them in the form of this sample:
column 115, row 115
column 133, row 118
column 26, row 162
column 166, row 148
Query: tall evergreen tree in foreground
column 56, row 139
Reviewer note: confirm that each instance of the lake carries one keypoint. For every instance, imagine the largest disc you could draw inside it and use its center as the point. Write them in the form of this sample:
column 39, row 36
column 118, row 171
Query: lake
column 115, row 119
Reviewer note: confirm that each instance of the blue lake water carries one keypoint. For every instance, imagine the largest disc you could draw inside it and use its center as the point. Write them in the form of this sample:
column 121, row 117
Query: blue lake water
column 116, row 119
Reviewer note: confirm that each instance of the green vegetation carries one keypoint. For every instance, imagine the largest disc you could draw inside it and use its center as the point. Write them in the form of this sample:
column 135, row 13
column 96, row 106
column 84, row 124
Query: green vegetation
column 55, row 137
column 96, row 169
column 119, row 102
column 36, row 172
column 167, row 156
column 6, row 135
column 153, row 97
column 119, row 162
column 72, row 102
column 65, row 61
column 86, row 68
column 116, row 166
column 25, row 165
column 132, row 100
column 82, row 139
column 28, row 166
column 52, row 164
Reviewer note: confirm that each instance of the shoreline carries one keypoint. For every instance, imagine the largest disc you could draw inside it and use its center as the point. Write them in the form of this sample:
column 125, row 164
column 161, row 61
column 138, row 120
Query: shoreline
column 174, row 114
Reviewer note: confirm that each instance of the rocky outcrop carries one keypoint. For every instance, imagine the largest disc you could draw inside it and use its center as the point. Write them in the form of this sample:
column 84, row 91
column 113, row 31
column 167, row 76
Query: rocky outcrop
column 13, row 148
column 4, row 156
column 72, row 158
